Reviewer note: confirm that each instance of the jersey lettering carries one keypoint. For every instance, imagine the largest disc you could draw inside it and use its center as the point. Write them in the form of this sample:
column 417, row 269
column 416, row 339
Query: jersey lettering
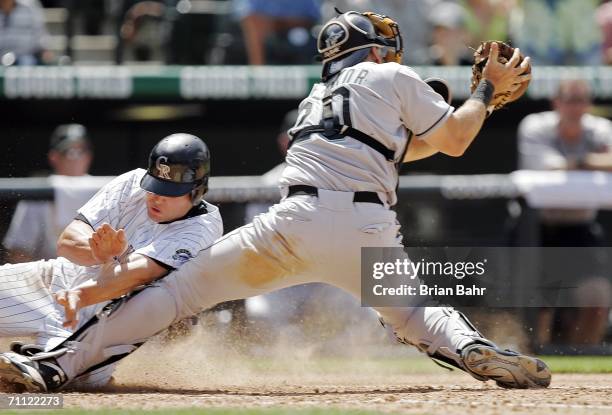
column 351, row 76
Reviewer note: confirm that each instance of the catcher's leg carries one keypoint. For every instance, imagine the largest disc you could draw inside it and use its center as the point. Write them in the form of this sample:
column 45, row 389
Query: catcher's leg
column 443, row 333
column 446, row 335
column 96, row 378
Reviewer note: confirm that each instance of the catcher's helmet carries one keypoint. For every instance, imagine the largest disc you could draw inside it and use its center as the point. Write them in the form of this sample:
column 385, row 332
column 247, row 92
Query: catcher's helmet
column 345, row 40
column 179, row 164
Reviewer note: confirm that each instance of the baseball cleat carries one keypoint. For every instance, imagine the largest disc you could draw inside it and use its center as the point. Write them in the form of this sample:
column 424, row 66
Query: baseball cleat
column 507, row 368
column 16, row 370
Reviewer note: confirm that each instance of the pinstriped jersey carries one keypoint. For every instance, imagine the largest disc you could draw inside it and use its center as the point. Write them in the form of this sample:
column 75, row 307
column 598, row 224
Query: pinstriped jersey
column 384, row 101
column 121, row 203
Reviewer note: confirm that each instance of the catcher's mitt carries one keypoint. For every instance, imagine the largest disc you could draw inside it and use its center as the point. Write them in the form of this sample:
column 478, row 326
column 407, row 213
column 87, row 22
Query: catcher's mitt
column 481, row 55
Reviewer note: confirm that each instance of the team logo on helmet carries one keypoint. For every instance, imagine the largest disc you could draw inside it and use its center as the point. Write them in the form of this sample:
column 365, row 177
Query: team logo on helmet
column 335, row 33
column 163, row 170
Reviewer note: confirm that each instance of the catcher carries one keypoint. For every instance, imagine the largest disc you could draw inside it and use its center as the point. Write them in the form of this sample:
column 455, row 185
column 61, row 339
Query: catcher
column 368, row 115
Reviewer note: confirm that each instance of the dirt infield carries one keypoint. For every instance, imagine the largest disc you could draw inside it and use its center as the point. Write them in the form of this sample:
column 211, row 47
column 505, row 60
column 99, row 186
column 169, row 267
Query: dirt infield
column 413, row 394
column 388, row 380
column 207, row 370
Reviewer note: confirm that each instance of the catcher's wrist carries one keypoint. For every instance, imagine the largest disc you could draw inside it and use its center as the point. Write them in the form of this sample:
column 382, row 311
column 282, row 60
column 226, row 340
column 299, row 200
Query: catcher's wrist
column 484, row 93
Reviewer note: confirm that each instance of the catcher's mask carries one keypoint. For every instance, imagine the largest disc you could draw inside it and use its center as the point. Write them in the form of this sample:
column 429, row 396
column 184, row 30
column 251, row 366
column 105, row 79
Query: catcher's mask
column 179, row 164
column 345, row 40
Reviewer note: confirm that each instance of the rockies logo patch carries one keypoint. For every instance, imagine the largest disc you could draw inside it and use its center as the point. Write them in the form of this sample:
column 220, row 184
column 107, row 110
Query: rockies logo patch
column 182, row 255
column 163, row 170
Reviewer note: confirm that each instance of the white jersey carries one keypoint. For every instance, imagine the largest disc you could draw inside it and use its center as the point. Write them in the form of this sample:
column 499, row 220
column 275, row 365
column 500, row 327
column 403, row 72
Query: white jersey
column 121, row 203
column 386, row 101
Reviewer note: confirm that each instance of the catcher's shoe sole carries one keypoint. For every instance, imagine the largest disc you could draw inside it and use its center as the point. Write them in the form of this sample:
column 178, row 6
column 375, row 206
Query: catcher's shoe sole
column 508, row 369
column 17, row 374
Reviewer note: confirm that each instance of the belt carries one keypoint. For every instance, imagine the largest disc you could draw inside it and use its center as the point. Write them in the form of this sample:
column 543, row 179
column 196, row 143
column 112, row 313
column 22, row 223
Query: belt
column 364, row 197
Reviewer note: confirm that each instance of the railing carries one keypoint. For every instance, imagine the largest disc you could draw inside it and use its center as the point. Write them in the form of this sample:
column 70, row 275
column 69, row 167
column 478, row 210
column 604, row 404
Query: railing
column 236, row 82
column 540, row 189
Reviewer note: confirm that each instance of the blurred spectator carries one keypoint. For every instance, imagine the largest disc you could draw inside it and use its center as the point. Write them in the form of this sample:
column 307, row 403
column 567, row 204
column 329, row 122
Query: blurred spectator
column 561, row 32
column 448, row 35
column 568, row 138
column 34, row 230
column 412, row 16
column 22, row 33
column 604, row 19
column 487, row 20
column 278, row 31
column 142, row 30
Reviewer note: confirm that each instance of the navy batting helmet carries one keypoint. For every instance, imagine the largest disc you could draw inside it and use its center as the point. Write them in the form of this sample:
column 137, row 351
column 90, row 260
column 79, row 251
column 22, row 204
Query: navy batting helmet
column 179, row 164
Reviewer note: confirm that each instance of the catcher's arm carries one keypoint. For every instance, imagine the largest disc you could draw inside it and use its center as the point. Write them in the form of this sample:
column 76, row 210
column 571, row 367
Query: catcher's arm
column 419, row 149
column 113, row 281
column 456, row 134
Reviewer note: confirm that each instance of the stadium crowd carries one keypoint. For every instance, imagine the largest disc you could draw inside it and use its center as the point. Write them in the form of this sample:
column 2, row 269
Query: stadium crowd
column 436, row 32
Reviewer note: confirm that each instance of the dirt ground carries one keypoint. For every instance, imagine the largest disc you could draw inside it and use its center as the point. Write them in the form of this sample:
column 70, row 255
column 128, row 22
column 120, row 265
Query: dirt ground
column 411, row 394
column 298, row 369
column 394, row 379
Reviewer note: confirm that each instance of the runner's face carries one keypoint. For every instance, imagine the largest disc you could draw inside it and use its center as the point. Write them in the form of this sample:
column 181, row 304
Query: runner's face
column 166, row 208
